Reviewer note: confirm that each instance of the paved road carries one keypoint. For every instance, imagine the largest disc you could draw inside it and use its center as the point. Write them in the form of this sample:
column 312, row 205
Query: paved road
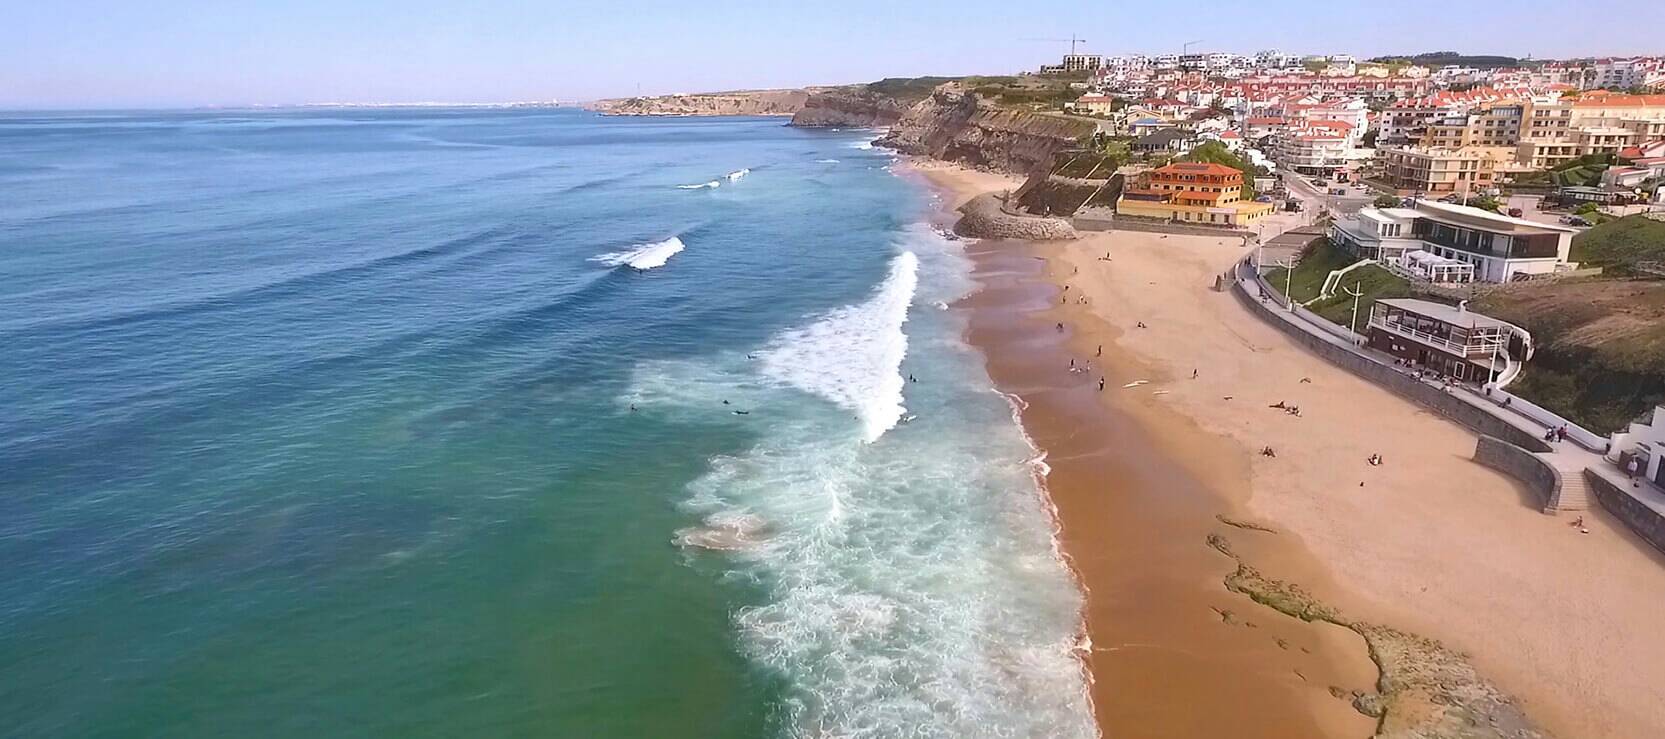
column 1314, row 198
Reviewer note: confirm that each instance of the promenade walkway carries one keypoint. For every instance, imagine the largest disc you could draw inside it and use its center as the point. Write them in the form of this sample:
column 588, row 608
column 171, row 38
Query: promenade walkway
column 1486, row 413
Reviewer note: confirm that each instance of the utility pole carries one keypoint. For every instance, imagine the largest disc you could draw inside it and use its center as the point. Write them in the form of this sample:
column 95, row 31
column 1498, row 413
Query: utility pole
column 1356, row 292
column 1288, row 265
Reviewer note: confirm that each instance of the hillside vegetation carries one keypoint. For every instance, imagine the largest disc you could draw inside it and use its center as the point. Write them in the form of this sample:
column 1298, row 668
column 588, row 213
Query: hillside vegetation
column 1601, row 346
column 1620, row 245
column 1321, row 258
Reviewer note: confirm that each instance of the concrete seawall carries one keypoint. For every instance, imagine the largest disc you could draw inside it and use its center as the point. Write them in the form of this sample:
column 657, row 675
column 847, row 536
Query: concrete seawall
column 1386, row 376
column 1531, row 469
column 1641, row 519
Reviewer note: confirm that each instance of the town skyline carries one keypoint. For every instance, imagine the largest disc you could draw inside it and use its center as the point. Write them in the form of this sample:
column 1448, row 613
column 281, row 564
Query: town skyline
column 106, row 55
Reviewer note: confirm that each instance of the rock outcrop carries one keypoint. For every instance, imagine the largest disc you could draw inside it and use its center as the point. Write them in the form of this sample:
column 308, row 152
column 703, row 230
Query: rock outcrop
column 984, row 218
column 746, row 102
column 954, row 125
column 853, row 107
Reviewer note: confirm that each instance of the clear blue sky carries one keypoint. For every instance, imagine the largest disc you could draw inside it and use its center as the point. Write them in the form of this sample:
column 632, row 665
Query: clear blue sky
column 168, row 53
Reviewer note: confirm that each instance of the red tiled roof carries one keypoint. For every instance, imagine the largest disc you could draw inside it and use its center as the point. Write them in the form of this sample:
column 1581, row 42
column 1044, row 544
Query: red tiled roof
column 1208, row 168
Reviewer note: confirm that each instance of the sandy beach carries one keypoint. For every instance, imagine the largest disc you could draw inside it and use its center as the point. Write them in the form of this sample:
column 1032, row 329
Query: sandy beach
column 1430, row 542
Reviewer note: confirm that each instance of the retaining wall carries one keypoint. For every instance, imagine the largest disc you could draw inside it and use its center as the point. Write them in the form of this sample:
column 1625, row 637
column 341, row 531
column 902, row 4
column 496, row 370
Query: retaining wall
column 1339, row 352
column 1541, row 477
column 1640, row 518
column 1126, row 223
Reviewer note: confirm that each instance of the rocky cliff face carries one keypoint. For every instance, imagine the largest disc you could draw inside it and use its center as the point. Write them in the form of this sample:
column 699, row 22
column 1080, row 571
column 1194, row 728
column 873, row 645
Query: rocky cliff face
column 853, row 107
column 749, row 102
column 954, row 125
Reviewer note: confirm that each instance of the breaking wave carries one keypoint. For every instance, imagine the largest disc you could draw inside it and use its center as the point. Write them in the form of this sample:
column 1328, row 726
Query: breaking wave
column 736, row 175
column 853, row 355
column 643, row 256
column 701, row 186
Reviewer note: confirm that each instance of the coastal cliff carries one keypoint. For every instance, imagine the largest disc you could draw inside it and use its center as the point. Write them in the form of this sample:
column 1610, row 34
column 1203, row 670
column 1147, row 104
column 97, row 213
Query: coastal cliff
column 956, row 125
column 851, row 107
column 972, row 121
column 745, row 102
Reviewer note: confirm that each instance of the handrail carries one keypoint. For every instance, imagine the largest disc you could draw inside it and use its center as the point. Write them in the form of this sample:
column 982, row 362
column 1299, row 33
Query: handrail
column 1432, row 339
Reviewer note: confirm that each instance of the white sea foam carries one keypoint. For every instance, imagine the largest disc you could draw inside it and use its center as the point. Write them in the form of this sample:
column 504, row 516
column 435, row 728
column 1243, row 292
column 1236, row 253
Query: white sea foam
column 643, row 256
column 863, row 145
column 826, row 161
column 853, row 355
column 701, row 186
column 908, row 588
column 736, row 175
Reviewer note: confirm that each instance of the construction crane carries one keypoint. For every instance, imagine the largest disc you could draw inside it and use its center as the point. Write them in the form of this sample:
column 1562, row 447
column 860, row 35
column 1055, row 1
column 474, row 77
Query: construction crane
column 1072, row 41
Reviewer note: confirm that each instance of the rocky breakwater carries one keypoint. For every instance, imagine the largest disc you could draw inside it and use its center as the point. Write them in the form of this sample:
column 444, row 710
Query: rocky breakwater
column 954, row 125
column 854, row 107
column 984, row 217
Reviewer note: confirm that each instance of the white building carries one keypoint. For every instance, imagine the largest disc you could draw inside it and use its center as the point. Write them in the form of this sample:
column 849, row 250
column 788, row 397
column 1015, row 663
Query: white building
column 1644, row 443
column 1499, row 248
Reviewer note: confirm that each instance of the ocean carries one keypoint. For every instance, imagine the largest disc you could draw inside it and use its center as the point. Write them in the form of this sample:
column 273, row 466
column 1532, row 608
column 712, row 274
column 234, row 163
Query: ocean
column 518, row 422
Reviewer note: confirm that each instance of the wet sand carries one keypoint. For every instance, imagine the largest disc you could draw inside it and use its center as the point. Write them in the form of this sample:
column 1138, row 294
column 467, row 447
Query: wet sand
column 1174, row 654
column 1432, row 543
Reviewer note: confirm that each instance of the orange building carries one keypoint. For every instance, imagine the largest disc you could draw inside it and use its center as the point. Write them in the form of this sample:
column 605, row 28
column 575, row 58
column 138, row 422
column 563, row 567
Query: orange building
column 1192, row 192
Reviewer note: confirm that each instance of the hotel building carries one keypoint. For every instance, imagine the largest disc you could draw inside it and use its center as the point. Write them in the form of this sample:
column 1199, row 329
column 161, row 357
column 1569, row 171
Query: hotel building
column 1192, row 192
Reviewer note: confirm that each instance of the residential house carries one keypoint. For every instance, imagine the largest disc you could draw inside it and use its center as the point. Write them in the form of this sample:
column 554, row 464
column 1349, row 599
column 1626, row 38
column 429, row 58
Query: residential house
column 1166, row 141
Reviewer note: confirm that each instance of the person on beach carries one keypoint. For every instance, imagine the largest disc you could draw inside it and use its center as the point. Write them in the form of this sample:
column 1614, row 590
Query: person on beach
column 1142, row 325
column 1193, row 374
column 1266, row 451
column 1101, row 384
column 1060, row 328
column 1072, row 364
column 1375, row 460
column 1100, row 351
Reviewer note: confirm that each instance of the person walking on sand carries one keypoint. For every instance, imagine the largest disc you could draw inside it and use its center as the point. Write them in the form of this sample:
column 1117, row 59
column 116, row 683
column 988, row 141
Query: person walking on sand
column 1100, row 351
column 1193, row 374
column 1101, row 384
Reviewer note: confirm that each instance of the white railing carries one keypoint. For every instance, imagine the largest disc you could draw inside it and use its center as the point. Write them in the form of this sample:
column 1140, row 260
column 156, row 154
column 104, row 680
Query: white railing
column 1465, row 350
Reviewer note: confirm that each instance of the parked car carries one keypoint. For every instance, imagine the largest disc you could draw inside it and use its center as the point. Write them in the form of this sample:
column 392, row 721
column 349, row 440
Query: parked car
column 1516, row 212
column 1338, row 191
column 1263, row 198
column 1574, row 221
column 1452, row 198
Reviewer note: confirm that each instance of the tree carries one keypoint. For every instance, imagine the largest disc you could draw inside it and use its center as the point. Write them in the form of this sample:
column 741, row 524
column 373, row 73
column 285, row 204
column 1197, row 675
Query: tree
column 1386, row 201
column 1117, row 152
column 1485, row 203
column 1217, row 153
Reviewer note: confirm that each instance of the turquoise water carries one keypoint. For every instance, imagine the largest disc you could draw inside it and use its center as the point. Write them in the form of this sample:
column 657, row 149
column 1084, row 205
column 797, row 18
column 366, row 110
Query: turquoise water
column 412, row 423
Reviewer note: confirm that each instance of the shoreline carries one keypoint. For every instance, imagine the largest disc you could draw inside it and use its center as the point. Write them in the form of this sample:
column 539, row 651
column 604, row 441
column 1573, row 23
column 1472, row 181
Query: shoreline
column 1165, row 630
column 1431, row 543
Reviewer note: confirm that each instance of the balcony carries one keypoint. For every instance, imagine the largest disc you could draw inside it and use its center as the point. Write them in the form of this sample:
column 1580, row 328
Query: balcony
column 1477, row 347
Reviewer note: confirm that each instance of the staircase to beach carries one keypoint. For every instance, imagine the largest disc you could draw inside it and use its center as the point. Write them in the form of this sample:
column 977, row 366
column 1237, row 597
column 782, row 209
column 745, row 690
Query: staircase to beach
column 1575, row 491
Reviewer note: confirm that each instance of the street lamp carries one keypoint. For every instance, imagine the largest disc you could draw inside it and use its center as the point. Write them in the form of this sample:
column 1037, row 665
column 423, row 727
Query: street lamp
column 1356, row 291
column 1288, row 265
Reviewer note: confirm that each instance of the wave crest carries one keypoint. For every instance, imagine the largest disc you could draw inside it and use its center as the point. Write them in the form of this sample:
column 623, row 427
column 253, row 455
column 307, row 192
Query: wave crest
column 643, row 256
column 853, row 355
